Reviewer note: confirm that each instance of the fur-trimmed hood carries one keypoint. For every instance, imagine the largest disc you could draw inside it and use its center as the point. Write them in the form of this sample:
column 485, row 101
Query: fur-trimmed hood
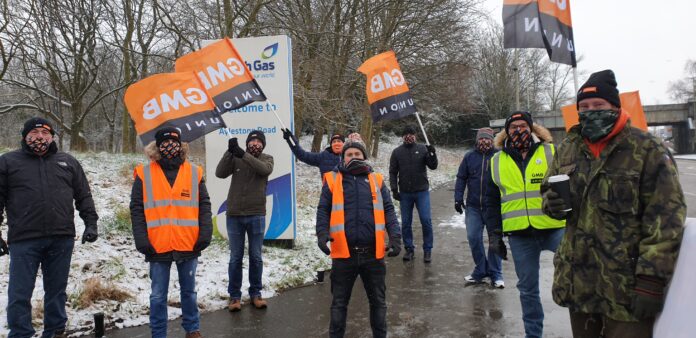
column 152, row 151
column 539, row 134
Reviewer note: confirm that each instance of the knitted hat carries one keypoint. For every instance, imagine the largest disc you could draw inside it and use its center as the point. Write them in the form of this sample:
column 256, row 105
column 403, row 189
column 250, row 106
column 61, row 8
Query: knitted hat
column 337, row 137
column 167, row 133
column 519, row 115
column 36, row 122
column 485, row 133
column 601, row 85
column 354, row 144
column 408, row 130
column 257, row 134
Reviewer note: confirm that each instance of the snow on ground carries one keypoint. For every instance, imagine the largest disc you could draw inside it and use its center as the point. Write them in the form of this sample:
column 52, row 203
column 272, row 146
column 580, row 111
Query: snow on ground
column 114, row 261
column 685, row 157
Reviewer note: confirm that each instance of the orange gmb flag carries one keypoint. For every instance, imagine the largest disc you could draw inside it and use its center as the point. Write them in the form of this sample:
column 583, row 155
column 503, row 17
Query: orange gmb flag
column 172, row 100
column 387, row 91
column 224, row 75
column 630, row 102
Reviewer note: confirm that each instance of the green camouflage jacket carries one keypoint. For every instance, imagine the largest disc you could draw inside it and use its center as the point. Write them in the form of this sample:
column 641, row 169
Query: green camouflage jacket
column 627, row 220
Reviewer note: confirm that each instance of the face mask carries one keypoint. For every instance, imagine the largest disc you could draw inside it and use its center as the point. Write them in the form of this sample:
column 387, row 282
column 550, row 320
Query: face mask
column 254, row 149
column 484, row 145
column 409, row 139
column 357, row 167
column 521, row 140
column 170, row 150
column 38, row 145
column 597, row 124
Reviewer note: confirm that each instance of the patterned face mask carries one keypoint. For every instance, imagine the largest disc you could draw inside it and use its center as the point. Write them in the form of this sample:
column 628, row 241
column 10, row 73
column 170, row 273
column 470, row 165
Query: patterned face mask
column 38, row 145
column 254, row 149
column 409, row 139
column 170, row 149
column 597, row 124
column 521, row 140
column 484, row 145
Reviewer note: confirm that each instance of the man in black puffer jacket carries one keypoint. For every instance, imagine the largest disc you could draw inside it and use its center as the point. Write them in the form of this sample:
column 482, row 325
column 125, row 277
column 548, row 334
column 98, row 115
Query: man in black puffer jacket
column 408, row 178
column 38, row 185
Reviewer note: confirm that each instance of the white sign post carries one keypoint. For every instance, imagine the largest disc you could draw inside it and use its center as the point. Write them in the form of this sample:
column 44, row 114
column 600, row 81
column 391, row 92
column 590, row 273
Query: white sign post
column 270, row 60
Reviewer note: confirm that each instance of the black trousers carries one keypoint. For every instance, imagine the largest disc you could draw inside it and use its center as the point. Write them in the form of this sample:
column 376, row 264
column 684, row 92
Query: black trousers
column 372, row 271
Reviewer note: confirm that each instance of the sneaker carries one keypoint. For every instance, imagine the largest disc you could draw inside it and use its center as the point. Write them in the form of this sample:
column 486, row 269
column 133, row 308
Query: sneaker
column 234, row 305
column 427, row 257
column 408, row 255
column 470, row 279
column 258, row 302
column 194, row 334
column 499, row 284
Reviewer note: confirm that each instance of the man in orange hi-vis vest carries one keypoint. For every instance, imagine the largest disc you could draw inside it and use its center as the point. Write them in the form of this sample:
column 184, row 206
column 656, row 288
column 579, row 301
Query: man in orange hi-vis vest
column 356, row 214
column 172, row 222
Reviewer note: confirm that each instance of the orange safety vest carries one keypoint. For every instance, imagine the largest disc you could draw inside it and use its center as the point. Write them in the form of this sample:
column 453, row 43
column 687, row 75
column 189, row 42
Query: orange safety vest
column 171, row 212
column 339, row 246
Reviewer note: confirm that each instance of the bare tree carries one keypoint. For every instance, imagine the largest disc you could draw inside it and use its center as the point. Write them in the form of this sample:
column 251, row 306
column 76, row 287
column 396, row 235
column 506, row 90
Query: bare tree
column 684, row 90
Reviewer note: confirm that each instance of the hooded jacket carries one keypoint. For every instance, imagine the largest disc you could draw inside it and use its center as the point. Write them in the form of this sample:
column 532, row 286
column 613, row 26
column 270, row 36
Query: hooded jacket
column 205, row 222
column 38, row 194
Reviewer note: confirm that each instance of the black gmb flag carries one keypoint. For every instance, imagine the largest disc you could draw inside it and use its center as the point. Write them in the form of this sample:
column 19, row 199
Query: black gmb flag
column 540, row 24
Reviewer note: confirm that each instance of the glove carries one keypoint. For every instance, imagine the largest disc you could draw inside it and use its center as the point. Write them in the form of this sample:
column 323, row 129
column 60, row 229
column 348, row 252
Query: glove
column 287, row 134
column 148, row 250
column 554, row 205
column 396, row 195
column 233, row 147
column 431, row 149
column 394, row 247
column 459, row 207
column 497, row 245
column 200, row 245
column 90, row 234
column 4, row 250
column 322, row 239
column 648, row 297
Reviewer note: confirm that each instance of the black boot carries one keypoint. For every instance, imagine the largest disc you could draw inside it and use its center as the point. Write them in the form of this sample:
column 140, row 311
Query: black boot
column 427, row 257
column 408, row 255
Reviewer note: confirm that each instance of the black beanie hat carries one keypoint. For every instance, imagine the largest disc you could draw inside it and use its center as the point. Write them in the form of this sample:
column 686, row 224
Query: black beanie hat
column 257, row 134
column 36, row 122
column 602, row 85
column 408, row 130
column 519, row 115
column 167, row 133
column 354, row 144
column 337, row 137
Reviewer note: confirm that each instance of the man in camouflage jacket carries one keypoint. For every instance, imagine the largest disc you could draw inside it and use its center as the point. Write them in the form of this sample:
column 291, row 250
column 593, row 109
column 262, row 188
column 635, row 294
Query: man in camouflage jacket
column 623, row 233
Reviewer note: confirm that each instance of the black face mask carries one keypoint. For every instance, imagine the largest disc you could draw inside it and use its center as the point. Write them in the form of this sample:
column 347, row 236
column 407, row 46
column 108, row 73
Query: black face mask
column 521, row 140
column 357, row 167
column 597, row 124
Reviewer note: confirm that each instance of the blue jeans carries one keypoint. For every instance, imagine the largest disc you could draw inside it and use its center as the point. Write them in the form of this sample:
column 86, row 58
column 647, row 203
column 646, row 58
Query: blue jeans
column 53, row 254
column 485, row 267
column 159, row 275
column 254, row 227
column 525, row 253
column 421, row 200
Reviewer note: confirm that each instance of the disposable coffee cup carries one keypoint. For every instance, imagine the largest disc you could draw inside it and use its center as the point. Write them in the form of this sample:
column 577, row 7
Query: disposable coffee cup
column 99, row 324
column 561, row 185
column 320, row 276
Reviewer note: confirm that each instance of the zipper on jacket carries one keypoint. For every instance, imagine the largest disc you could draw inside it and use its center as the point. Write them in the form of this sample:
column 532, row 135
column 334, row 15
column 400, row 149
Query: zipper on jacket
column 483, row 164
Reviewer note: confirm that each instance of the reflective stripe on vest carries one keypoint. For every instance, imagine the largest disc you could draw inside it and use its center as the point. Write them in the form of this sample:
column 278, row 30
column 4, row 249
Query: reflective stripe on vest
column 339, row 245
column 520, row 196
column 171, row 212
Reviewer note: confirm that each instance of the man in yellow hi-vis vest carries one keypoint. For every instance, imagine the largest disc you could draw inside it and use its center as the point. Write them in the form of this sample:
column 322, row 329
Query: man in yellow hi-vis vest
column 355, row 214
column 513, row 203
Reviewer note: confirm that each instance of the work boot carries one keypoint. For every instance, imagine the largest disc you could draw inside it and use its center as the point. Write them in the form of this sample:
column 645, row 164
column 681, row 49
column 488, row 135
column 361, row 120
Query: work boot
column 258, row 302
column 408, row 255
column 194, row 334
column 234, row 305
column 427, row 257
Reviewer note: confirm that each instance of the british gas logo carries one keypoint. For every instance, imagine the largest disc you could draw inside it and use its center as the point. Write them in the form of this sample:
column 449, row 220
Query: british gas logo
column 263, row 64
column 269, row 51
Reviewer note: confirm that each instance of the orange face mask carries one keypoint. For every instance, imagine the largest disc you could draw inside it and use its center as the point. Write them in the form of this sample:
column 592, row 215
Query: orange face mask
column 337, row 146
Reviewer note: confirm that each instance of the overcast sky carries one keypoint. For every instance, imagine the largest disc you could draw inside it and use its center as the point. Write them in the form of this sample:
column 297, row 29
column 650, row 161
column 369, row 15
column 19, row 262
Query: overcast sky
column 645, row 43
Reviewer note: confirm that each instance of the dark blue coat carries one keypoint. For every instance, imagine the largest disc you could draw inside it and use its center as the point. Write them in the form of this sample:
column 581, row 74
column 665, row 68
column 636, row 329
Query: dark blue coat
column 326, row 160
column 359, row 216
column 473, row 175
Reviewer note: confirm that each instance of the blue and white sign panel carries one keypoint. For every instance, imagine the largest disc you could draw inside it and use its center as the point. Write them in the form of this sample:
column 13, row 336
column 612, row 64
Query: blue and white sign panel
column 270, row 60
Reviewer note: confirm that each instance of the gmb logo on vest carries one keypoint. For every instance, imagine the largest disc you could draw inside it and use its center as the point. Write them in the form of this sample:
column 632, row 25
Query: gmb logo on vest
column 185, row 193
column 537, row 177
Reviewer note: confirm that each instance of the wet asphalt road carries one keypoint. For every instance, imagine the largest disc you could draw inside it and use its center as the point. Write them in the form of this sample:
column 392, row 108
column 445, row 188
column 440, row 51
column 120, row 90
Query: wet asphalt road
column 423, row 300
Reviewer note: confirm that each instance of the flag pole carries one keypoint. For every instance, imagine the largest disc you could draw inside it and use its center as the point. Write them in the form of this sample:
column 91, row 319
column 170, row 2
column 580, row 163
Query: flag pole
column 282, row 125
column 422, row 129
column 517, row 80
column 575, row 78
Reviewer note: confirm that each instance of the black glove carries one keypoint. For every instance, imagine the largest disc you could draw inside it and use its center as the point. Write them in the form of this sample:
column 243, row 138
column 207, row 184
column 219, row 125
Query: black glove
column 322, row 239
column 287, row 134
column 497, row 245
column 648, row 297
column 147, row 250
column 394, row 247
column 459, row 207
column 431, row 149
column 200, row 245
column 554, row 205
column 4, row 250
column 233, row 147
column 90, row 234
column 396, row 195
